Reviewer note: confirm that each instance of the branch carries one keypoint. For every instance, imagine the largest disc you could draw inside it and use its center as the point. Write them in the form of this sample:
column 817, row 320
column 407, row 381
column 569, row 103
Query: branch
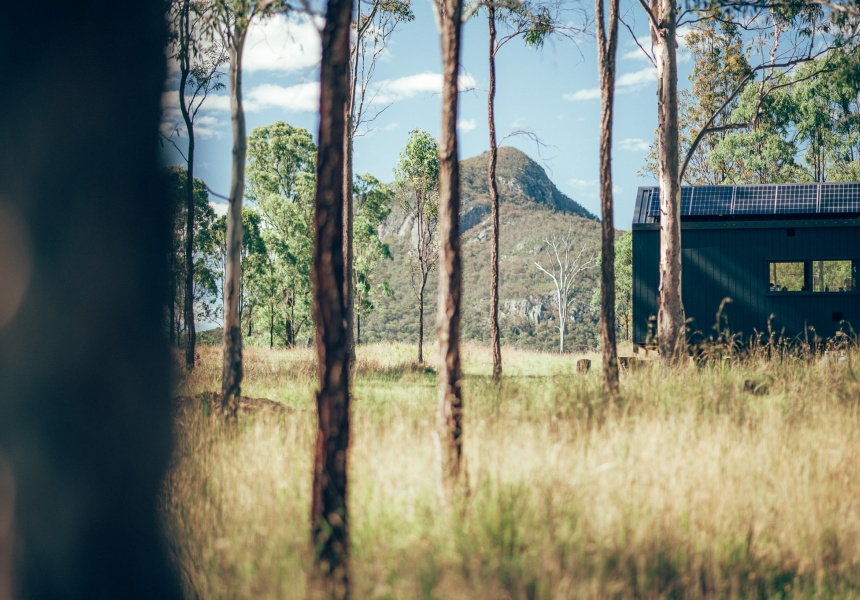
column 633, row 35
column 651, row 18
column 172, row 143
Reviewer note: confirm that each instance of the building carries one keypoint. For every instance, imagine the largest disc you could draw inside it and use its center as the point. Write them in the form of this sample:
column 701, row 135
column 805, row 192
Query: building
column 786, row 255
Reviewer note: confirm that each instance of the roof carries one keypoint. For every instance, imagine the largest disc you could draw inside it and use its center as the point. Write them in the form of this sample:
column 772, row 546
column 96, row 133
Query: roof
column 754, row 202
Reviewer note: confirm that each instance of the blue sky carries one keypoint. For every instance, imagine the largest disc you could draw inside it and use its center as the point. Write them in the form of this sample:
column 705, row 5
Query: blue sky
column 550, row 92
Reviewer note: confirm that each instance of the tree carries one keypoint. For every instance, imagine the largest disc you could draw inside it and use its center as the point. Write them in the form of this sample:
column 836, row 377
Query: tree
column 372, row 206
column 534, row 24
column 417, row 174
column 372, row 29
column 607, row 44
column 623, row 272
column 449, row 417
column 231, row 19
column 282, row 183
column 329, row 517
column 203, row 219
column 199, row 74
column 564, row 267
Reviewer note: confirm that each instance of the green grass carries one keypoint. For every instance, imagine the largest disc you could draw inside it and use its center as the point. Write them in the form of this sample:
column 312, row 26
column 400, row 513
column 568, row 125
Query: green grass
column 684, row 487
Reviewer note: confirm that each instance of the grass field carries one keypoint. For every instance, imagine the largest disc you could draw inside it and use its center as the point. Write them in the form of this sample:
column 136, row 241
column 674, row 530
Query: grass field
column 685, row 487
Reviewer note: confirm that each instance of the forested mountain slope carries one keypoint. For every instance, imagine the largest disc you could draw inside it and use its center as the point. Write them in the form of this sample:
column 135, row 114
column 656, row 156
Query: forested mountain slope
column 533, row 210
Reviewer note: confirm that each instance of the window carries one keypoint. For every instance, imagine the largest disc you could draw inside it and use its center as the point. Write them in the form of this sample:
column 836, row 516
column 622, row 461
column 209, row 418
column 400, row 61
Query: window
column 813, row 276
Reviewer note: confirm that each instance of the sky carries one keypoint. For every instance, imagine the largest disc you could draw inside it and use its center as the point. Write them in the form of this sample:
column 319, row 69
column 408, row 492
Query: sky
column 551, row 93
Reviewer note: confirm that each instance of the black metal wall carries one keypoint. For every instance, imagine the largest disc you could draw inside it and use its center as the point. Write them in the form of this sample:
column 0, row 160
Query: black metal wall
column 729, row 259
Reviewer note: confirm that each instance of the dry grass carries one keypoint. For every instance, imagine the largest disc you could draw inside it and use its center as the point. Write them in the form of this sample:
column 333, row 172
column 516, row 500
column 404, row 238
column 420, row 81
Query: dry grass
column 686, row 487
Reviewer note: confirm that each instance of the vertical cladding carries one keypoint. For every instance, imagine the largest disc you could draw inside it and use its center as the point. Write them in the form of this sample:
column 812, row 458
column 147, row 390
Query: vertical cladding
column 732, row 260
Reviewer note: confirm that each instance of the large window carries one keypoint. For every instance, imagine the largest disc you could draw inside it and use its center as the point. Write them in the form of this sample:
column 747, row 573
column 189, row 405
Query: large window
column 813, row 276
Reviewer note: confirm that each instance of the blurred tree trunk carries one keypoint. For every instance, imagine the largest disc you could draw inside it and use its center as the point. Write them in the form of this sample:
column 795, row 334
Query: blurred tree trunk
column 670, row 315
column 329, row 520
column 607, row 44
column 85, row 223
column 231, row 380
column 495, row 337
column 450, row 407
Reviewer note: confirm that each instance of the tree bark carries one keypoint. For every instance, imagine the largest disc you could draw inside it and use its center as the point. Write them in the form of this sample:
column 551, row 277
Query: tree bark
column 329, row 521
column 495, row 337
column 232, row 374
column 450, row 405
column 670, row 315
column 606, row 51
column 185, row 70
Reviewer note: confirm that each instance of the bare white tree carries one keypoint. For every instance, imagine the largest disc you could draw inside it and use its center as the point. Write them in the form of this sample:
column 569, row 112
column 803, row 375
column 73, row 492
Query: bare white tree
column 566, row 263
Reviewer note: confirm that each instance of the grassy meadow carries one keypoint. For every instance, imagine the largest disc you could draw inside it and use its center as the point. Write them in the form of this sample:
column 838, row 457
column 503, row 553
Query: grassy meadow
column 685, row 487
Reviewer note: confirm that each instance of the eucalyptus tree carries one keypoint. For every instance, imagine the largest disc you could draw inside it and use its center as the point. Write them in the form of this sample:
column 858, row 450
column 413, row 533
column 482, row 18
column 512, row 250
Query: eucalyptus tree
column 565, row 264
column 281, row 184
column 449, row 416
column 373, row 27
column 199, row 61
column 372, row 206
column 533, row 22
column 329, row 515
column 417, row 178
column 607, row 46
column 230, row 20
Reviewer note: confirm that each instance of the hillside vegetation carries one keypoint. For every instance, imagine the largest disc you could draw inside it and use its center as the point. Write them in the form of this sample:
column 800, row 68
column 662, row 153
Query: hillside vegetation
column 532, row 210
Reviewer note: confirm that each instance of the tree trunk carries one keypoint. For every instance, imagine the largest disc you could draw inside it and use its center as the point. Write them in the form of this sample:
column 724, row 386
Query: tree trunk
column 348, row 218
column 670, row 316
column 495, row 337
column 329, row 521
column 171, row 265
column 271, row 330
column 232, row 374
column 606, row 51
column 185, row 70
column 421, row 322
column 450, row 407
column 358, row 327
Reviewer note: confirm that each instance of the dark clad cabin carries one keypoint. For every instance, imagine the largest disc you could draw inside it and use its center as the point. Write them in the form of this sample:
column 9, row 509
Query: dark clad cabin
column 784, row 254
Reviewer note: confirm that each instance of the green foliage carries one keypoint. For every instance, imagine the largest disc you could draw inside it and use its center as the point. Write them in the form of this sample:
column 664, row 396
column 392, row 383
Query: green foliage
column 204, row 218
column 280, row 183
column 417, row 172
column 372, row 206
column 623, row 284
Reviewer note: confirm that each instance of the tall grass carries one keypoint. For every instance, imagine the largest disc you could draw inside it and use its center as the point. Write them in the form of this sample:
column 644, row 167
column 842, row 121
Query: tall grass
column 684, row 487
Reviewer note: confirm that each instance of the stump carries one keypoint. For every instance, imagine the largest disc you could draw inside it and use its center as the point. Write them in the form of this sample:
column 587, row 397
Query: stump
column 583, row 365
column 628, row 362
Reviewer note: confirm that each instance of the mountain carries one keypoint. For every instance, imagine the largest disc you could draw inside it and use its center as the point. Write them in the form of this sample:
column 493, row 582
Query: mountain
column 532, row 211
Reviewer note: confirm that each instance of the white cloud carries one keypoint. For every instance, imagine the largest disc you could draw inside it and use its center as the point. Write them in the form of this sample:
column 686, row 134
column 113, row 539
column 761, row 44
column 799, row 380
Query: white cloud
column 634, row 144
column 302, row 97
column 466, row 125
column 206, row 126
column 403, row 88
column 626, row 84
column 220, row 208
column 283, row 45
column 582, row 184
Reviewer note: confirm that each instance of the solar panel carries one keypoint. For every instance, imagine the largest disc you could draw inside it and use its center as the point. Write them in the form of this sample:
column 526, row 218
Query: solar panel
column 801, row 198
column 840, row 197
column 754, row 200
column 775, row 199
column 710, row 200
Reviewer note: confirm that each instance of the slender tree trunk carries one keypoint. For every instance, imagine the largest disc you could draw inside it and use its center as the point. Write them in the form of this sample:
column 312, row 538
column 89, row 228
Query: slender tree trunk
column 450, row 407
column 185, row 70
column 172, row 266
column 606, row 51
column 272, row 330
column 232, row 374
column 670, row 316
column 421, row 322
column 348, row 249
column 329, row 522
column 358, row 328
column 495, row 337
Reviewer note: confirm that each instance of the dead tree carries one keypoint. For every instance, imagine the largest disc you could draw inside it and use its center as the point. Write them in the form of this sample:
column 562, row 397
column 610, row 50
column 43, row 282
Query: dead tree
column 329, row 519
column 85, row 408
